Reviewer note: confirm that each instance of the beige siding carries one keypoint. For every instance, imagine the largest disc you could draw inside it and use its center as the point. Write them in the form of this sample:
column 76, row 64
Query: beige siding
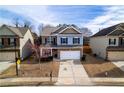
column 25, row 42
column 69, row 31
column 99, row 45
column 114, row 55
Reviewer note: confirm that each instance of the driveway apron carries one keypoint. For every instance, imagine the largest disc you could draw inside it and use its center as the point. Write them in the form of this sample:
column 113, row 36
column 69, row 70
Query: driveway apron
column 72, row 72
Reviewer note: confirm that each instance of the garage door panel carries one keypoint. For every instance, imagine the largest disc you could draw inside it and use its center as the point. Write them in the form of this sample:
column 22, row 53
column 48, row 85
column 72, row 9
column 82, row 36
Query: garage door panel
column 119, row 56
column 69, row 55
column 6, row 56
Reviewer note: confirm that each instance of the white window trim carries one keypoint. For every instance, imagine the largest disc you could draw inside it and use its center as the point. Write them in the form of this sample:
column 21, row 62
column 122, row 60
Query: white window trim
column 113, row 41
column 77, row 41
column 64, row 43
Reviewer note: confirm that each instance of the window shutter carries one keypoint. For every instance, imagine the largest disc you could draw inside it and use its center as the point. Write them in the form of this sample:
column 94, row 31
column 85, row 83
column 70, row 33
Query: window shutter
column 66, row 40
column 109, row 41
column 8, row 41
column 114, row 41
column 61, row 40
column 2, row 41
column 78, row 40
column 73, row 40
column 15, row 41
column 121, row 41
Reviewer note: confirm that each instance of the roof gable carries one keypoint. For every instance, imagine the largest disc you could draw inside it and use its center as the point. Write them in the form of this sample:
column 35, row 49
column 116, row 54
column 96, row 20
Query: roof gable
column 18, row 31
column 6, row 31
column 116, row 32
column 69, row 30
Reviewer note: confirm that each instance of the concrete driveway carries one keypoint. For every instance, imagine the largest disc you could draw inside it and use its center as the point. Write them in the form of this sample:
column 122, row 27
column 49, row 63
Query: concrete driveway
column 119, row 64
column 72, row 73
column 5, row 65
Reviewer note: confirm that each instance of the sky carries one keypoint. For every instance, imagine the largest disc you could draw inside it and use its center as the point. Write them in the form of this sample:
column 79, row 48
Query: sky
column 94, row 17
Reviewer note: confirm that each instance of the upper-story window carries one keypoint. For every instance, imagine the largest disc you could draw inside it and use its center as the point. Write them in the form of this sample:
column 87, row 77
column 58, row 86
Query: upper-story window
column 64, row 40
column 112, row 41
column 1, row 42
column 11, row 41
column 76, row 40
column 122, row 41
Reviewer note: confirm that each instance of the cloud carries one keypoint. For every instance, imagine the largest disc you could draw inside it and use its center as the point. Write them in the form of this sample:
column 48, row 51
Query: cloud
column 40, row 14
column 112, row 15
column 34, row 14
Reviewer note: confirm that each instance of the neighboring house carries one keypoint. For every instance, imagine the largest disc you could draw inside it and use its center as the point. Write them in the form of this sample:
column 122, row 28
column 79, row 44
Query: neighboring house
column 86, row 40
column 64, row 42
column 36, row 38
column 11, row 36
column 109, row 43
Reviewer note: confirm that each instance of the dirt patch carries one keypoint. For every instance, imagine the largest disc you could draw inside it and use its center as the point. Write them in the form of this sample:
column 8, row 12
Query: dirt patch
column 96, row 67
column 32, row 68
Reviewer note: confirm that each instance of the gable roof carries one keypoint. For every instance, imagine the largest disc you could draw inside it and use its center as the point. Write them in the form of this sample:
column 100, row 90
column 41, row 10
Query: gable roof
column 111, row 31
column 55, row 30
column 20, row 31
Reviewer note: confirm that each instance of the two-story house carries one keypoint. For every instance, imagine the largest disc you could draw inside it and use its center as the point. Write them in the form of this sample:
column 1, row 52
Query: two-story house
column 109, row 43
column 64, row 42
column 15, row 42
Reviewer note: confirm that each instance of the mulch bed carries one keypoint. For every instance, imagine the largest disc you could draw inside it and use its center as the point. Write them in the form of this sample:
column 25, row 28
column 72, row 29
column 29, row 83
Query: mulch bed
column 96, row 67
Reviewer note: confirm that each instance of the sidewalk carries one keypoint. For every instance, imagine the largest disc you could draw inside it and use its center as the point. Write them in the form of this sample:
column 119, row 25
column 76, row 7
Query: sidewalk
column 72, row 73
column 5, row 65
column 27, row 81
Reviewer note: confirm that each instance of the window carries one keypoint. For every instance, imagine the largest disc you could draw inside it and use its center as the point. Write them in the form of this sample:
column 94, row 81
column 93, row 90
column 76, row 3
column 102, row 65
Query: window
column 1, row 42
column 76, row 40
column 11, row 41
column 64, row 40
column 112, row 41
column 122, row 41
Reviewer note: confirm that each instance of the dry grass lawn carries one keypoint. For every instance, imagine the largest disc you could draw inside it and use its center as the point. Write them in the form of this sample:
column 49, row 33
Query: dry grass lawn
column 96, row 67
column 31, row 68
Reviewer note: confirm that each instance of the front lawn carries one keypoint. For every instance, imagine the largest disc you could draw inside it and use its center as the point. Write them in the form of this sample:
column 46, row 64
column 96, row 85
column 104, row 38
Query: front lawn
column 96, row 67
column 31, row 68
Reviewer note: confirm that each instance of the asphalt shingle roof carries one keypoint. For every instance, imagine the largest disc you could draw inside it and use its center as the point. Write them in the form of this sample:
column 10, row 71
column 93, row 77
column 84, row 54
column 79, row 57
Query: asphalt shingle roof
column 108, row 30
column 47, row 31
column 52, row 30
column 20, row 31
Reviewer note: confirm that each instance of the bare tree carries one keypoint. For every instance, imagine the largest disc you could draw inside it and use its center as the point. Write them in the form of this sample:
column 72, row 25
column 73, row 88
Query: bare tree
column 15, row 21
column 27, row 24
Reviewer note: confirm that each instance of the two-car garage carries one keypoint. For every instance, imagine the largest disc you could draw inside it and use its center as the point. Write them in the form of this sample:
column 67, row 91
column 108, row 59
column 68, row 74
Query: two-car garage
column 70, row 54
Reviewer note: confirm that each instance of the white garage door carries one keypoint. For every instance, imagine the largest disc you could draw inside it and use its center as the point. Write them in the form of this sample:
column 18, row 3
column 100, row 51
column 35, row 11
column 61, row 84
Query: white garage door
column 119, row 56
column 69, row 55
column 6, row 56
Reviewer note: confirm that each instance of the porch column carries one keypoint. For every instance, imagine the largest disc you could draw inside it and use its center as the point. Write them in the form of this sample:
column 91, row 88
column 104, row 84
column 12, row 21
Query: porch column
column 40, row 52
column 51, row 51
